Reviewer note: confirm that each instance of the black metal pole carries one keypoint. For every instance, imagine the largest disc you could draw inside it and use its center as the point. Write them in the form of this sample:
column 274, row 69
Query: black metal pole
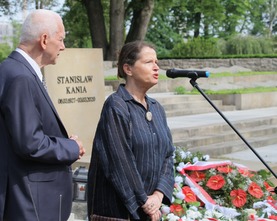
column 194, row 84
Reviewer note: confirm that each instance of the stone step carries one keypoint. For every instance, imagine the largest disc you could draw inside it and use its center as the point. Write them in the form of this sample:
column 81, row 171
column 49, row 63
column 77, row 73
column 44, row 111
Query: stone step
column 222, row 141
column 220, row 128
column 179, row 105
column 223, row 148
column 171, row 98
column 194, row 105
column 108, row 90
column 228, row 136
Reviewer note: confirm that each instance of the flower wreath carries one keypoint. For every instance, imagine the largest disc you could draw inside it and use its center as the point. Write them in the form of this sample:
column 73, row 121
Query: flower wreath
column 218, row 190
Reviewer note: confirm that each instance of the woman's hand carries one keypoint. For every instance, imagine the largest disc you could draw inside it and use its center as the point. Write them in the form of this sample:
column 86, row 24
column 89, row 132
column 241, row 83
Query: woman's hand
column 152, row 205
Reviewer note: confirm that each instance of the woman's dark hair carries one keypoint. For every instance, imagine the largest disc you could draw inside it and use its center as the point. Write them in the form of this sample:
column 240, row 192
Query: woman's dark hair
column 129, row 54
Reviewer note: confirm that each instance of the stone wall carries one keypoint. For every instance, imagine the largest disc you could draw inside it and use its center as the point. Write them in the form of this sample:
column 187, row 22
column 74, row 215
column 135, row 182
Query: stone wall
column 254, row 64
column 248, row 101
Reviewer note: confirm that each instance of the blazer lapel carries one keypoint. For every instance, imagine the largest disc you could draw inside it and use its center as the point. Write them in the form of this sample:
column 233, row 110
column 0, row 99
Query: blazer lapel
column 17, row 56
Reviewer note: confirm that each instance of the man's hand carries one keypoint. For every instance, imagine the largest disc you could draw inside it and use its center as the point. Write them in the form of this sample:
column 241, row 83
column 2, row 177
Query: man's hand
column 80, row 145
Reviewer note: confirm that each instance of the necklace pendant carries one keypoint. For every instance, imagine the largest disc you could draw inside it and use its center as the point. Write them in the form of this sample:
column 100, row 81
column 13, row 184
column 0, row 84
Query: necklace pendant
column 148, row 116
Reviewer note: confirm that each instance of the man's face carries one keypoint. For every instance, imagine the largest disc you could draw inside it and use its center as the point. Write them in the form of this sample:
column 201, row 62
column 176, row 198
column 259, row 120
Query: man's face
column 54, row 45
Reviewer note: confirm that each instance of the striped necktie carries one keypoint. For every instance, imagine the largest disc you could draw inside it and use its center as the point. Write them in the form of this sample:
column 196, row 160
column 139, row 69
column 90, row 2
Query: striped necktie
column 44, row 83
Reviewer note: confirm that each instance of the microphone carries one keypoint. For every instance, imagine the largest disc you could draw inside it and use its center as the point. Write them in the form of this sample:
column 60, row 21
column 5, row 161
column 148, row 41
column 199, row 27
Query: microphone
column 175, row 73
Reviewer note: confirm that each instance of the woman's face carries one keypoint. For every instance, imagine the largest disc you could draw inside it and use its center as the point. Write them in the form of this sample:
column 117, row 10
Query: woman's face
column 145, row 70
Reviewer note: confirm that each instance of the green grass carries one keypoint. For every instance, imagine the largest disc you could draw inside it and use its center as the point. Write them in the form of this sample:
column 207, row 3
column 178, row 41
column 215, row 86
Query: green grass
column 180, row 90
column 240, row 74
column 242, row 90
column 111, row 78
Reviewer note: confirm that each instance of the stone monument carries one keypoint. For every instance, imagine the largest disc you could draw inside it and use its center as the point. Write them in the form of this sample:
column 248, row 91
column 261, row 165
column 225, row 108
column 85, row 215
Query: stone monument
column 76, row 87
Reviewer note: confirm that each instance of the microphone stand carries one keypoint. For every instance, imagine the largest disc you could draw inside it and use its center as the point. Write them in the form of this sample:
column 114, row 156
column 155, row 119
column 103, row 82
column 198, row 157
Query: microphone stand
column 195, row 85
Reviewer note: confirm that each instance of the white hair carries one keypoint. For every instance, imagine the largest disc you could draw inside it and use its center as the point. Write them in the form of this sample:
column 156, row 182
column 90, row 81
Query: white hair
column 38, row 22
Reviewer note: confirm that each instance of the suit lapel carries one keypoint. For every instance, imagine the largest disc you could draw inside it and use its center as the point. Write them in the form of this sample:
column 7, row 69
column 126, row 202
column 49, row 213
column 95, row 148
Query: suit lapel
column 17, row 56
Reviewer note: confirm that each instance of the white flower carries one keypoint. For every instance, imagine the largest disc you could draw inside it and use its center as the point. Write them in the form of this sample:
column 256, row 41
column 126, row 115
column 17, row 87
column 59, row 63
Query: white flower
column 258, row 205
column 179, row 180
column 183, row 154
column 208, row 213
column 172, row 217
column 195, row 159
column 193, row 214
column 174, row 155
column 165, row 209
column 180, row 166
column 250, row 211
column 172, row 199
column 260, row 182
column 180, row 195
column 194, row 208
column 206, row 157
column 267, row 211
column 230, row 182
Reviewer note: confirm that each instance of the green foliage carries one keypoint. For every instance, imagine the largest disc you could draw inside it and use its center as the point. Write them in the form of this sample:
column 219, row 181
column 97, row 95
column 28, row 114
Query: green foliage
column 76, row 25
column 241, row 74
column 197, row 47
column 234, row 91
column 236, row 46
column 16, row 30
column 180, row 90
column 162, row 35
column 249, row 45
column 5, row 50
column 243, row 90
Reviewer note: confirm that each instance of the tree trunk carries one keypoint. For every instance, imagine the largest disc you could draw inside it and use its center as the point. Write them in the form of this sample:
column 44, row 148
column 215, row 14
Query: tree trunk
column 97, row 25
column 116, row 28
column 140, row 20
column 197, row 20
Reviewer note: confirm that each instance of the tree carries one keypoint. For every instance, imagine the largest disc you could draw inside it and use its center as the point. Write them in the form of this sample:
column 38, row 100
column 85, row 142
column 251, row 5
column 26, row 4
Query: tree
column 141, row 12
column 257, row 23
column 11, row 7
column 96, row 24
column 111, row 23
column 4, row 6
column 76, row 25
column 167, row 25
column 138, row 12
column 271, row 10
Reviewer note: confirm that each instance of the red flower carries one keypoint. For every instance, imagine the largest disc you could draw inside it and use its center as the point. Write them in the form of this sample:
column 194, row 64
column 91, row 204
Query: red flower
column 244, row 172
column 268, row 187
column 238, row 197
column 224, row 169
column 197, row 176
column 216, row 182
column 177, row 209
column 190, row 196
column 273, row 217
column 255, row 190
column 251, row 217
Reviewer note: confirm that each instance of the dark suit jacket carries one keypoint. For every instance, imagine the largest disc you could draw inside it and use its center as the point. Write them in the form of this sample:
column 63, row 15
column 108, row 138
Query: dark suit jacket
column 35, row 152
